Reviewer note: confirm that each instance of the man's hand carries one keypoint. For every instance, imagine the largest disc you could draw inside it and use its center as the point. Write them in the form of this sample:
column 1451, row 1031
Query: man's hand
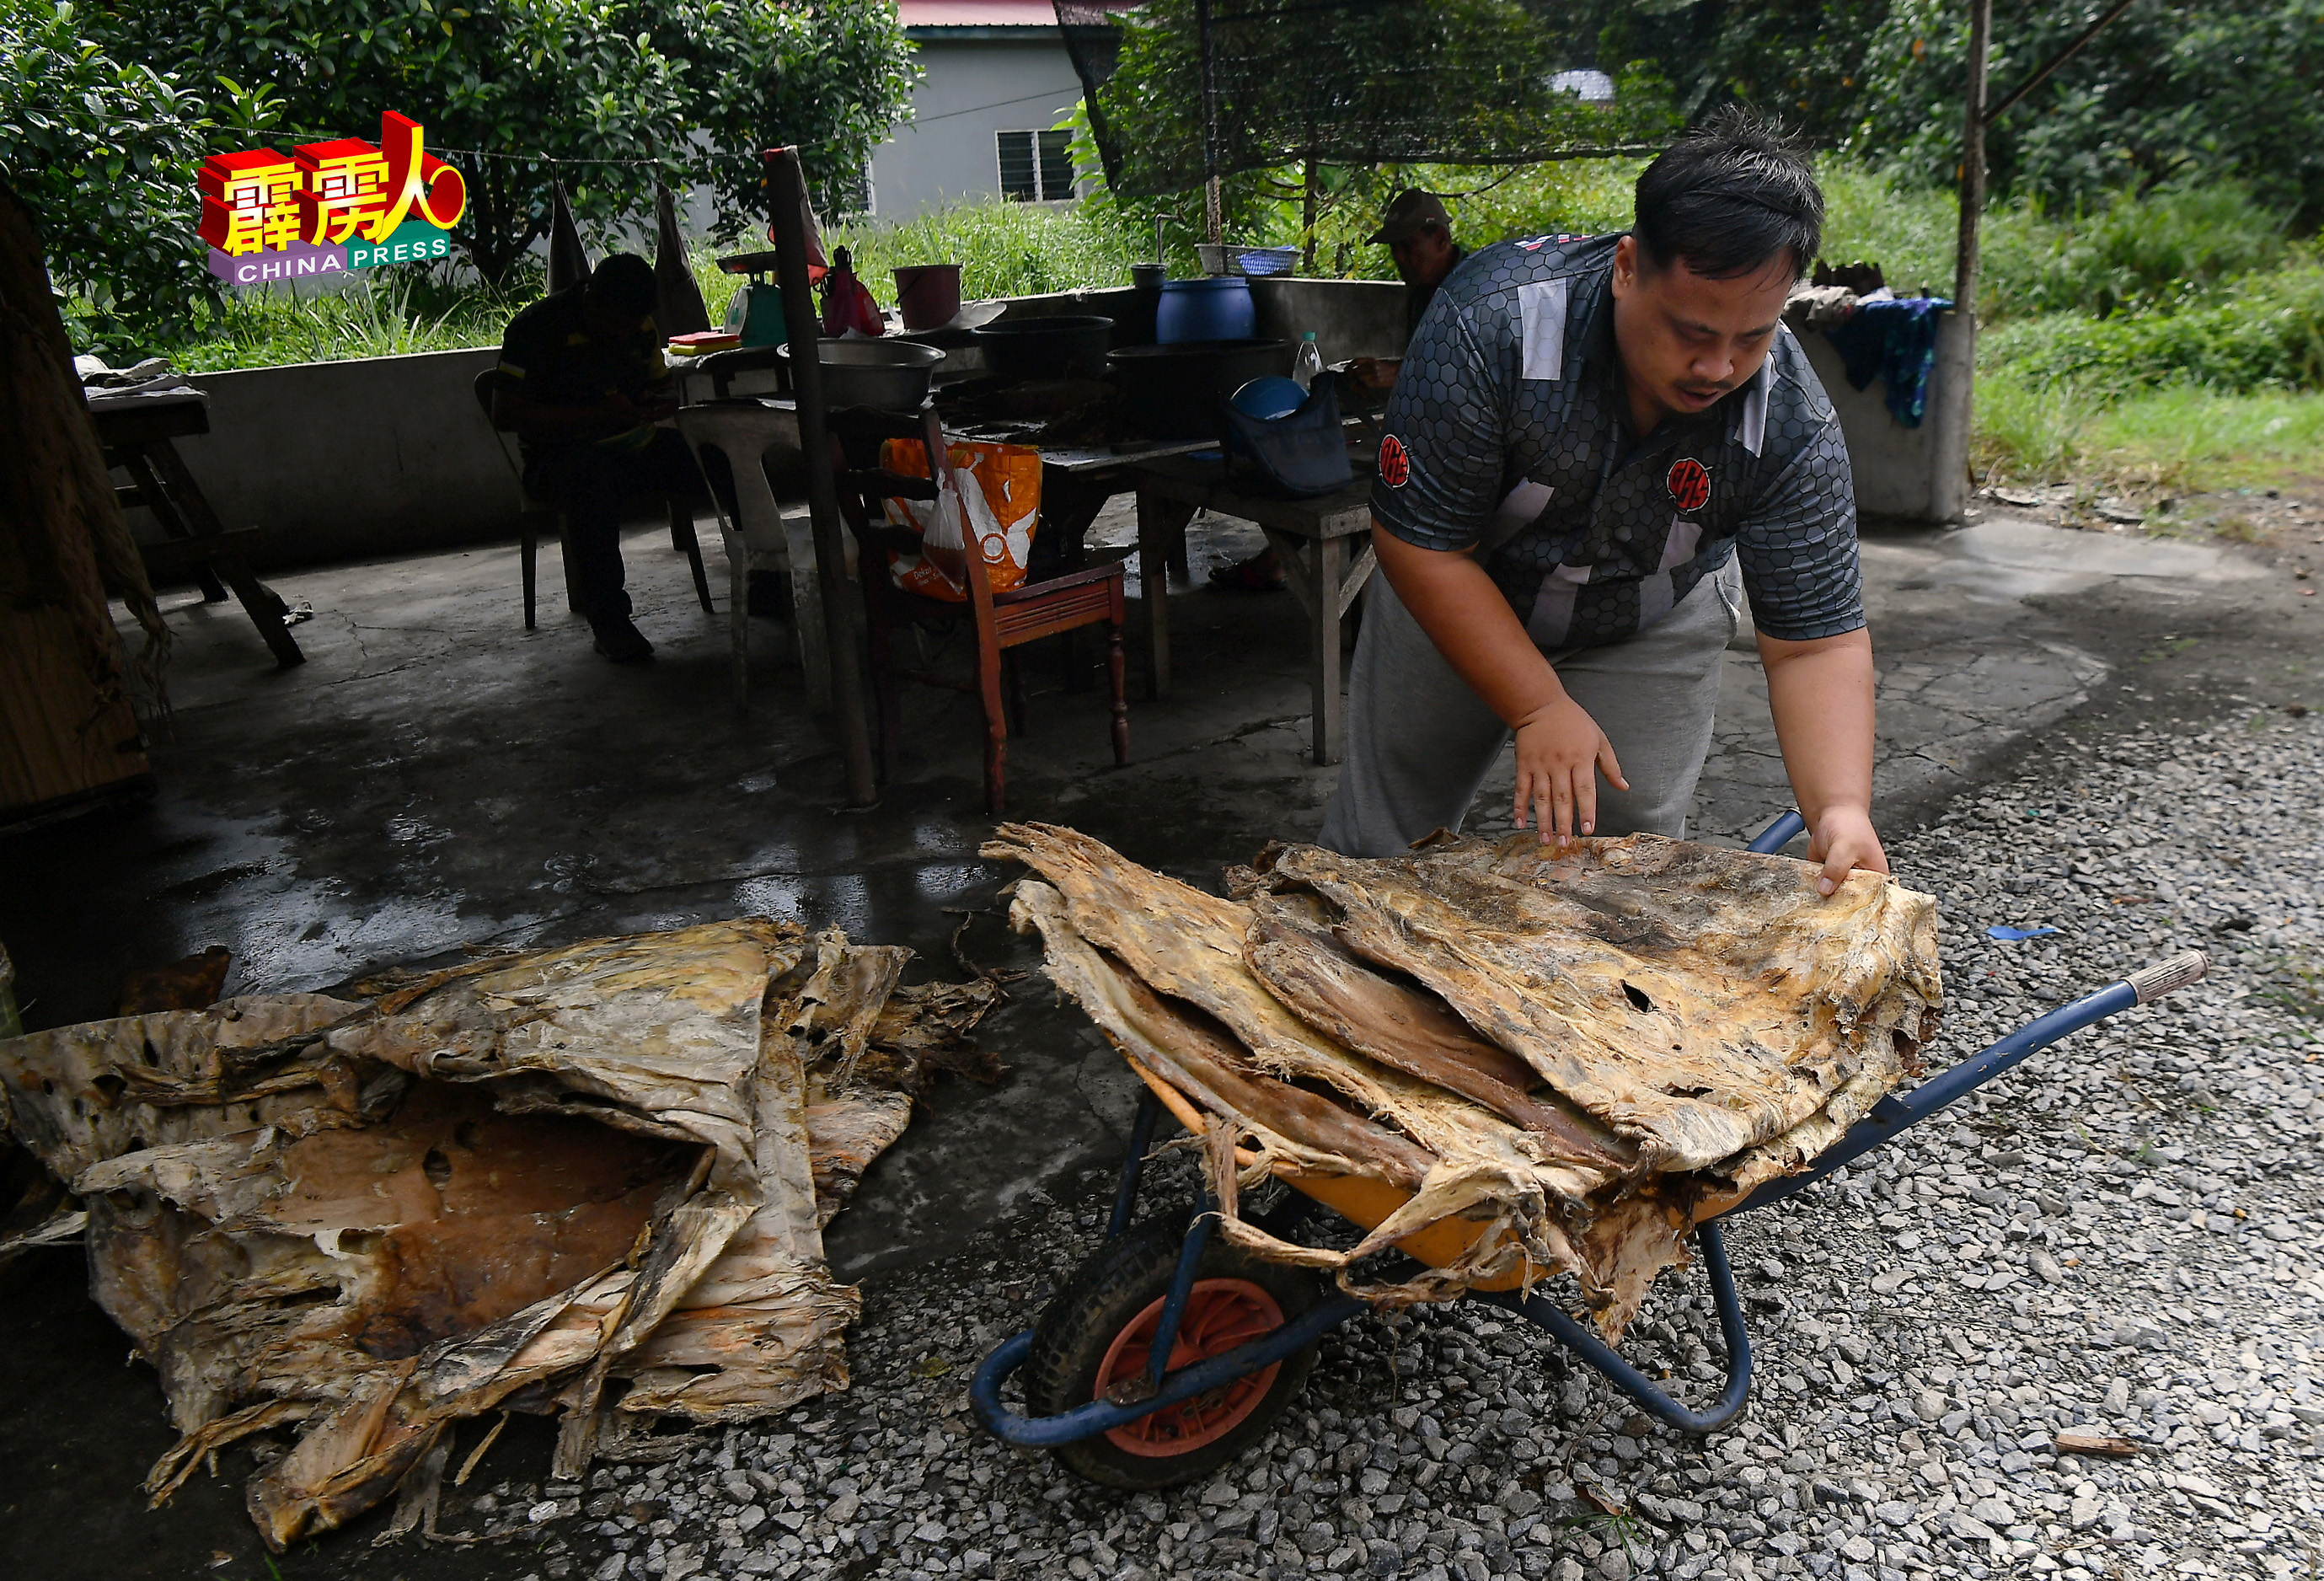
column 1560, row 752
column 1844, row 840
column 1820, row 694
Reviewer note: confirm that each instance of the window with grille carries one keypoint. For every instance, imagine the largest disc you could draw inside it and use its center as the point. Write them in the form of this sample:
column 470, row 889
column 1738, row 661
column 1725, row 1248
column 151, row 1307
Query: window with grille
column 1035, row 166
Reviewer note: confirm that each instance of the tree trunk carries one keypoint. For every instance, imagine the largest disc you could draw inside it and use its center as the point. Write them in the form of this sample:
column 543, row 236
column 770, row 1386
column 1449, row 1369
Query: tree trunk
column 1307, row 217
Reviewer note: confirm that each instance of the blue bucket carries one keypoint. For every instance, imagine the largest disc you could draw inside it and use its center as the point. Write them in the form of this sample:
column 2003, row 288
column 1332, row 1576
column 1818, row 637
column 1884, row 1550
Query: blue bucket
column 1215, row 307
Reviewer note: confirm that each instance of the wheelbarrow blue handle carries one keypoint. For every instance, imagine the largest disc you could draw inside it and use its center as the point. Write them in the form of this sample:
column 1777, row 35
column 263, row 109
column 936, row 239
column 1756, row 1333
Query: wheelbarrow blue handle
column 1893, row 1112
column 1779, row 834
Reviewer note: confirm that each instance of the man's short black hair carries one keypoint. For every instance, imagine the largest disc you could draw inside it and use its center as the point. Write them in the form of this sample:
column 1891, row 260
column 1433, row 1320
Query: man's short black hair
column 1729, row 198
column 623, row 280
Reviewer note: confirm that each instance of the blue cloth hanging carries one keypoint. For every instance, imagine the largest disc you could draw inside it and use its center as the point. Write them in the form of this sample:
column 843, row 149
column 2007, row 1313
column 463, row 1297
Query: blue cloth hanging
column 1897, row 343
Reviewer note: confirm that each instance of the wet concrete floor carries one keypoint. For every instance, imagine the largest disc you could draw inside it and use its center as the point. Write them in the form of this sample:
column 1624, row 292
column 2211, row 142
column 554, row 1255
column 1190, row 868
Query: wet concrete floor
column 436, row 775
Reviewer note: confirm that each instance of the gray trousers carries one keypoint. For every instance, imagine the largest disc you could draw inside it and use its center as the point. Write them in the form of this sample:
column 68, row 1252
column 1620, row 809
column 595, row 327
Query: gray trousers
column 1420, row 742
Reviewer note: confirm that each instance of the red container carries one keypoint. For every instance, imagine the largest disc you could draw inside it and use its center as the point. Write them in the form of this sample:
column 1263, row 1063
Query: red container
column 929, row 294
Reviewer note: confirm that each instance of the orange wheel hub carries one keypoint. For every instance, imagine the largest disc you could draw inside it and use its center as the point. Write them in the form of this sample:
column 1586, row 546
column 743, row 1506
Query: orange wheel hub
column 1220, row 1314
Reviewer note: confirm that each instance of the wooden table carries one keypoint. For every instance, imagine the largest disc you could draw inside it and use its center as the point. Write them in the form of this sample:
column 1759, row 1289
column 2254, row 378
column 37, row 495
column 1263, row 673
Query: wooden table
column 1311, row 539
column 137, row 431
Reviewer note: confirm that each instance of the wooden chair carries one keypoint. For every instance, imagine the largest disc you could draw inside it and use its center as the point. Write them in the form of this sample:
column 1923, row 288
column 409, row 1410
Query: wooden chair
column 539, row 517
column 1001, row 620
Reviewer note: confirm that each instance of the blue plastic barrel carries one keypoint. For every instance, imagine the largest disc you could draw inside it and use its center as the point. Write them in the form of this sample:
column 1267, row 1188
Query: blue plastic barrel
column 1215, row 307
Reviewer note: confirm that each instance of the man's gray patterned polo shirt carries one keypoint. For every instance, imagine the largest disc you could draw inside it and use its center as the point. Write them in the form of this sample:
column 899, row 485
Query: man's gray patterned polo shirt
column 1509, row 427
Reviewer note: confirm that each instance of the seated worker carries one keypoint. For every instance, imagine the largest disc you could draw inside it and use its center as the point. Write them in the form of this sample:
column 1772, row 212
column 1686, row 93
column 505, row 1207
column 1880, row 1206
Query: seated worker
column 1419, row 237
column 1607, row 440
column 582, row 384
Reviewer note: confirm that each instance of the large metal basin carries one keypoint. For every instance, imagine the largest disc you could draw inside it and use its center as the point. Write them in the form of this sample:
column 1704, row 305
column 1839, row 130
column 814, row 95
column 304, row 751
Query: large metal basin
column 892, row 375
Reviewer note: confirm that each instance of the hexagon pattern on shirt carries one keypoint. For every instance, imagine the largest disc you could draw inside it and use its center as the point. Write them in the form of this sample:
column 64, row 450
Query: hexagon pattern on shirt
column 1510, row 415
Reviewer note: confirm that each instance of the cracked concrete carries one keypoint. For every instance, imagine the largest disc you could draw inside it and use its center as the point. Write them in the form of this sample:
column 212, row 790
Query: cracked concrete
column 436, row 775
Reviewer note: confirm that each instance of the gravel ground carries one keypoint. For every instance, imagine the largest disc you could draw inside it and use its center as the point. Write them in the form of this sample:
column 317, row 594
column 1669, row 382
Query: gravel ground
column 2121, row 1237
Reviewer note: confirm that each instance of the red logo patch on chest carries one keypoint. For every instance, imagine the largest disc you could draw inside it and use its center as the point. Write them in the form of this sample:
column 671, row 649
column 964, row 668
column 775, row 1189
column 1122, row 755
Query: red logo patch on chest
column 1395, row 466
column 1689, row 484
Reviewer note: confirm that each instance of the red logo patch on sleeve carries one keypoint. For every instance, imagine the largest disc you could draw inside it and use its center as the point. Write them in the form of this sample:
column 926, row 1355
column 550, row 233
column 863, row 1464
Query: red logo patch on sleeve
column 1689, row 484
column 1395, row 466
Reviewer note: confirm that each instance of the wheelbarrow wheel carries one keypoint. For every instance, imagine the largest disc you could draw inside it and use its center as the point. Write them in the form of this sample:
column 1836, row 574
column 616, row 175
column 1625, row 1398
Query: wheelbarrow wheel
column 1099, row 1333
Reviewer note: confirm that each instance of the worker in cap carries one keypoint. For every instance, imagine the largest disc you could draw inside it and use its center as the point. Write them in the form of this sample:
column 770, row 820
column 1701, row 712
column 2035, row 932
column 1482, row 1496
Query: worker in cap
column 1418, row 234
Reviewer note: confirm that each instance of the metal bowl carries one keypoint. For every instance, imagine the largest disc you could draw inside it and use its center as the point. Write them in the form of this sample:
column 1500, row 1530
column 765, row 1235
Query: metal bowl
column 891, row 375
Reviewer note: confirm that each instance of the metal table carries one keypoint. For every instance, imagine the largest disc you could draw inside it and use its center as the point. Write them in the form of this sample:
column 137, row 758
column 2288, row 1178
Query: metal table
column 1310, row 537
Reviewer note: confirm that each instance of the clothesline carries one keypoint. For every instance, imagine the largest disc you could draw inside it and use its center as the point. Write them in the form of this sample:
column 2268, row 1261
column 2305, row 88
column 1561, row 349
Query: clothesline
column 302, row 135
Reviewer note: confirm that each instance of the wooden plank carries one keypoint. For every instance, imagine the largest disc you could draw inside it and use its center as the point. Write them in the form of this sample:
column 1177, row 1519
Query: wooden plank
column 57, row 740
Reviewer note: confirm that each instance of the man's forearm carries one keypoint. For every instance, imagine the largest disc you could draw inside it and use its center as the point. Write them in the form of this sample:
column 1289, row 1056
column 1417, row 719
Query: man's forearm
column 1820, row 694
column 1472, row 624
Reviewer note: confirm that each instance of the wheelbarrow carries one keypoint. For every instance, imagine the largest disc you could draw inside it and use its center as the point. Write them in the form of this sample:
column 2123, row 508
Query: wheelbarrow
column 1169, row 1352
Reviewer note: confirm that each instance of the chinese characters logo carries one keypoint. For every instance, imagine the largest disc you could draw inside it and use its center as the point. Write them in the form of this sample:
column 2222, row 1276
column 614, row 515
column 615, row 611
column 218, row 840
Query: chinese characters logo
column 328, row 206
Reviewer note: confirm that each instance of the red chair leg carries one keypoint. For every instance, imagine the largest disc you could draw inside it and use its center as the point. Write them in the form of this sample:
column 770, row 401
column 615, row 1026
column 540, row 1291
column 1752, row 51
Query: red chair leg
column 996, row 725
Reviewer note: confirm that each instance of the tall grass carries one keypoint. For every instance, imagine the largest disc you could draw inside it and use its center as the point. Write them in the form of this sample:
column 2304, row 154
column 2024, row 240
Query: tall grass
column 2181, row 436
column 366, row 317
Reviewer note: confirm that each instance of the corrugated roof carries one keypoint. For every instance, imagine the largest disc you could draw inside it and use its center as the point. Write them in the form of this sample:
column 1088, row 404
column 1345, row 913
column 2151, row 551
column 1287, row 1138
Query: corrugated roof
column 977, row 13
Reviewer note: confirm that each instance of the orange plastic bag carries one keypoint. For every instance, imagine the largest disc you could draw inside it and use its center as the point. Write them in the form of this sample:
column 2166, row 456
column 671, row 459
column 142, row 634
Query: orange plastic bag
column 1000, row 485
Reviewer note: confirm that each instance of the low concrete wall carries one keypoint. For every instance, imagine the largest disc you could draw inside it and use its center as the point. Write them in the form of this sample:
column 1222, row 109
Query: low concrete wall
column 335, row 461
column 1351, row 318
column 1910, row 474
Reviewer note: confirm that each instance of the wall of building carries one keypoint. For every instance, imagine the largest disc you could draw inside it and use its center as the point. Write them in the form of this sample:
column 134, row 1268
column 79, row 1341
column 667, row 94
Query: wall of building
column 970, row 90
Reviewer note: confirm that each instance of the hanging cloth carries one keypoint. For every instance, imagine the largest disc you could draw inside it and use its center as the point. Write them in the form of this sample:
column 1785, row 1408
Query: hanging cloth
column 568, row 262
column 677, row 296
column 1895, row 342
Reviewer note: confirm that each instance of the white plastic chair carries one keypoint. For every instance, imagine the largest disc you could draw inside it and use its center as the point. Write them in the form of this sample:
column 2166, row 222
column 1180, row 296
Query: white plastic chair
column 757, row 441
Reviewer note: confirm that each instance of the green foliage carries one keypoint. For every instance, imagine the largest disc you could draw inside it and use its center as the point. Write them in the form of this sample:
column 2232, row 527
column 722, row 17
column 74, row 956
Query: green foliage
column 1350, row 86
column 692, row 90
column 1005, row 249
column 2168, row 91
column 102, row 151
column 1801, row 60
column 2264, row 330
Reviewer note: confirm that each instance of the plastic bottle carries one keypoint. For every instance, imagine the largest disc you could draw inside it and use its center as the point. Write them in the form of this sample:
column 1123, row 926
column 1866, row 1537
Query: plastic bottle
column 1310, row 361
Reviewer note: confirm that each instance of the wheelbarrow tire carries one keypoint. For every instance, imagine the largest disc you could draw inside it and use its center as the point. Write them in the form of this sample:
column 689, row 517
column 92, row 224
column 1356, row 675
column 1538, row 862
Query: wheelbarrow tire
column 1115, row 1291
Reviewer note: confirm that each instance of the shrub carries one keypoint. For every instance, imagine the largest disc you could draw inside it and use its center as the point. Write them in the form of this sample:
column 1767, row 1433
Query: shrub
column 2262, row 331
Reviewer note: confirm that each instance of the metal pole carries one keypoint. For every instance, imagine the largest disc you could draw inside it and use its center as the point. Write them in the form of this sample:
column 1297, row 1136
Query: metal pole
column 787, row 187
column 1213, row 202
column 1972, row 174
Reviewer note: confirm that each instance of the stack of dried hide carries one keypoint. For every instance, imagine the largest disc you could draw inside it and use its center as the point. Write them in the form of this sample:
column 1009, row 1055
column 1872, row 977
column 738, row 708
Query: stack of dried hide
column 591, row 1181
column 1587, row 1050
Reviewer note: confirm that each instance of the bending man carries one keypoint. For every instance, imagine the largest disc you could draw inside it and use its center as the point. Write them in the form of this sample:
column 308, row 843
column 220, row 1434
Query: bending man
column 1595, row 446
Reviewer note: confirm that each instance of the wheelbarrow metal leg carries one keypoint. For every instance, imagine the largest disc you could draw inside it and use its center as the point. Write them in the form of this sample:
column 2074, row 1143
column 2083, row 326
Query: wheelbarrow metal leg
column 1182, row 1286
column 1141, row 1137
column 1649, row 1396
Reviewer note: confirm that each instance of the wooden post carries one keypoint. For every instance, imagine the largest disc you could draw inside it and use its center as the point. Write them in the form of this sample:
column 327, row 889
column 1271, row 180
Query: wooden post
column 1972, row 173
column 787, row 190
column 1953, row 385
